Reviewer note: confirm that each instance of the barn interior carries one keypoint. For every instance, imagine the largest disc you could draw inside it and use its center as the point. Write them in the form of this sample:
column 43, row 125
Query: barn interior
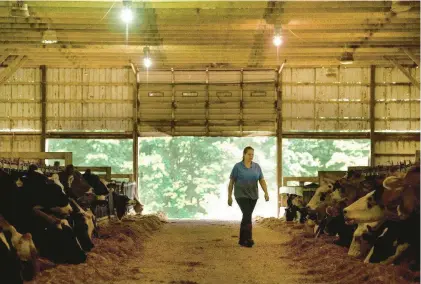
column 151, row 104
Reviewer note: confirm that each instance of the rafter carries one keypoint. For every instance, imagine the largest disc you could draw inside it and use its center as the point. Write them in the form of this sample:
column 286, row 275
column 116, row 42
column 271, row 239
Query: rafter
column 404, row 71
column 411, row 55
column 11, row 69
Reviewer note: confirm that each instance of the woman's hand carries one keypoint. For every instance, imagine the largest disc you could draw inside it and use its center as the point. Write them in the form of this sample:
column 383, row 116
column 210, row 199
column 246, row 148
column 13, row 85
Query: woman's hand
column 266, row 196
column 229, row 200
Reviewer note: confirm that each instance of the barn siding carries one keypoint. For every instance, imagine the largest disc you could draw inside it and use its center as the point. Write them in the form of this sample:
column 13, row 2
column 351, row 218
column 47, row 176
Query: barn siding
column 80, row 100
column 214, row 103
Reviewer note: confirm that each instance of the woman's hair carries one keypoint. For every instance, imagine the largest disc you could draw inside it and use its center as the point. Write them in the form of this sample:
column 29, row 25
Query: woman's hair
column 246, row 149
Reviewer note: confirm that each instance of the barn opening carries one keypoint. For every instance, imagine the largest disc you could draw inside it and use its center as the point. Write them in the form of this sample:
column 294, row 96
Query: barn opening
column 186, row 177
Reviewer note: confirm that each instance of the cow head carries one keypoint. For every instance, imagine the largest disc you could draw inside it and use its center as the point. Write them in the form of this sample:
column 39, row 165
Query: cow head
column 70, row 249
column 364, row 210
column 376, row 205
column 321, row 198
column 361, row 245
column 346, row 191
column 84, row 225
column 56, row 179
column 298, row 202
column 78, row 184
column 411, row 193
column 56, row 239
column 25, row 249
column 53, row 198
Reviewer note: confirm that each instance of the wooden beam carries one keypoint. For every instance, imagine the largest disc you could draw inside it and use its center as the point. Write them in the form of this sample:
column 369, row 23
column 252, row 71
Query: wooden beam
column 278, row 90
column 88, row 135
column 97, row 169
column 133, row 69
column 66, row 156
column 326, row 135
column 3, row 58
column 135, row 135
column 397, row 136
column 11, row 69
column 405, row 72
column 127, row 176
column 372, row 114
column 411, row 55
column 281, row 67
column 300, row 179
column 43, row 86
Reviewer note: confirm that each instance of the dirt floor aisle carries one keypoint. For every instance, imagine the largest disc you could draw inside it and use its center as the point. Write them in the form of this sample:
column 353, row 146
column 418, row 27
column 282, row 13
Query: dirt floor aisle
column 208, row 252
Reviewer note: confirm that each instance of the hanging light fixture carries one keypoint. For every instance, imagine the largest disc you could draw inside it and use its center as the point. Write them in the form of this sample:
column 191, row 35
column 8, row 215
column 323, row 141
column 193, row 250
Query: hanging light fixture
column 277, row 38
column 126, row 12
column 347, row 58
column 49, row 37
column 147, row 61
column 19, row 10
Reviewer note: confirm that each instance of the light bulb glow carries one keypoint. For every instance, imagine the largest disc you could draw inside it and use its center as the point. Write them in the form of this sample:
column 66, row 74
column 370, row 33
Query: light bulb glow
column 126, row 15
column 147, row 62
column 277, row 40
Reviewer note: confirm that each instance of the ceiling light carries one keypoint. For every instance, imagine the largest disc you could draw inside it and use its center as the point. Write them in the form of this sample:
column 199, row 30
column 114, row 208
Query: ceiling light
column 346, row 58
column 147, row 62
column 126, row 15
column 19, row 10
column 400, row 6
column 49, row 36
column 277, row 40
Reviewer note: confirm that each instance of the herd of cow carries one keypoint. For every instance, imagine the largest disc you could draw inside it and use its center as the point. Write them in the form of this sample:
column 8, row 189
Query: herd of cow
column 375, row 213
column 47, row 216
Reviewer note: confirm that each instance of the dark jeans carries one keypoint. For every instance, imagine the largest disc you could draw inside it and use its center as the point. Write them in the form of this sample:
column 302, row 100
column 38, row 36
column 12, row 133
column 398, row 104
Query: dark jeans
column 247, row 206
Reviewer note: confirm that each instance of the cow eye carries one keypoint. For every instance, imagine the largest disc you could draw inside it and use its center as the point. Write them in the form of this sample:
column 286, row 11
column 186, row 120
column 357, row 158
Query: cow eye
column 323, row 197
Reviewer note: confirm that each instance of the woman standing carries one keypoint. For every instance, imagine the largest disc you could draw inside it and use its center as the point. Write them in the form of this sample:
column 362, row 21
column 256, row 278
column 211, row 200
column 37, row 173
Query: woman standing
column 243, row 179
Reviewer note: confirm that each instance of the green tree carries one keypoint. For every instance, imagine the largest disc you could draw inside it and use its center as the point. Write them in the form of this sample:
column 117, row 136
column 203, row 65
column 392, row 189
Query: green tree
column 177, row 173
column 114, row 153
column 305, row 157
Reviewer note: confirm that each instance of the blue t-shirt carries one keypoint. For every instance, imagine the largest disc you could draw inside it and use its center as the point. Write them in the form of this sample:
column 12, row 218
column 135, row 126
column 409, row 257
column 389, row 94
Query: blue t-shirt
column 245, row 180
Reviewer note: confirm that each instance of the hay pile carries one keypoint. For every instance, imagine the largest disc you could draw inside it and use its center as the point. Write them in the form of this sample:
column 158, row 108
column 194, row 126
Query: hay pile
column 118, row 242
column 329, row 263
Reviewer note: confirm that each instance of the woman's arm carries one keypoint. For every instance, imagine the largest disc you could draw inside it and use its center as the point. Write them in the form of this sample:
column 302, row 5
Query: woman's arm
column 264, row 187
column 230, row 188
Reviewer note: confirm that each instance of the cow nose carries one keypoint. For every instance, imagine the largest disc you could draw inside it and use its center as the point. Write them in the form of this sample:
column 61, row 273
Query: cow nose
column 345, row 212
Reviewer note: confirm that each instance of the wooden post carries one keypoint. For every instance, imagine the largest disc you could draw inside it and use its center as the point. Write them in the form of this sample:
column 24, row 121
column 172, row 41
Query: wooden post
column 43, row 106
column 207, row 103
column 278, row 90
column 135, row 137
column 372, row 115
column 172, row 102
column 241, row 101
column 68, row 158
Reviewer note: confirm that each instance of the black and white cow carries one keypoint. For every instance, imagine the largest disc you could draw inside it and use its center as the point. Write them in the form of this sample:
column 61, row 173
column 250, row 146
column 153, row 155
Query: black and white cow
column 95, row 182
column 55, row 239
column 386, row 204
column 10, row 271
column 83, row 225
column 39, row 199
column 24, row 247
